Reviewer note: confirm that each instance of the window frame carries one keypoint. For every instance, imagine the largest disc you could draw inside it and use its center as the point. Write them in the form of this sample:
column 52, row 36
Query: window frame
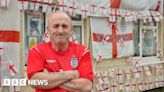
column 79, row 23
column 148, row 59
column 27, row 35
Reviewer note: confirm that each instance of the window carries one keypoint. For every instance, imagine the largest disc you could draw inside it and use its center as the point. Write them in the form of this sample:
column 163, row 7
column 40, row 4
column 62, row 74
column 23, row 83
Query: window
column 145, row 39
column 34, row 29
column 78, row 28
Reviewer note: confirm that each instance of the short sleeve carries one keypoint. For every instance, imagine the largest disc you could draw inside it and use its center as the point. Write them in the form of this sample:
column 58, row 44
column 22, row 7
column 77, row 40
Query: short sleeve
column 85, row 65
column 35, row 62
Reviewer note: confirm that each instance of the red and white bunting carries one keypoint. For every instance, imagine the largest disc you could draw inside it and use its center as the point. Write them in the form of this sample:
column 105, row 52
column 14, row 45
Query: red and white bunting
column 121, row 85
column 84, row 11
column 46, row 6
column 112, row 15
column 127, row 86
column 37, row 5
column 146, row 85
column 12, row 68
column 89, row 8
column 136, row 73
column 119, row 74
column 31, row 5
column 34, row 5
column 134, row 85
column 102, row 9
column 140, row 84
column 93, row 8
column 137, row 62
column 114, row 86
column 23, row 5
column 127, row 72
column 62, row 5
column 73, row 8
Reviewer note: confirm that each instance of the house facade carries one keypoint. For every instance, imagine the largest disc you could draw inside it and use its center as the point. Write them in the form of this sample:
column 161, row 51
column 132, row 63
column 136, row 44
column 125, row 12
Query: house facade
column 125, row 37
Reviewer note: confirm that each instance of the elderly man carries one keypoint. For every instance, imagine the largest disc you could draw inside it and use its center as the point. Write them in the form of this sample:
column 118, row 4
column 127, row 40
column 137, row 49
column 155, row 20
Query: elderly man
column 66, row 65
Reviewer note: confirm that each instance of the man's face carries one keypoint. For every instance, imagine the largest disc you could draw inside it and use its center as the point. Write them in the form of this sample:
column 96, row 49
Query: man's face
column 59, row 28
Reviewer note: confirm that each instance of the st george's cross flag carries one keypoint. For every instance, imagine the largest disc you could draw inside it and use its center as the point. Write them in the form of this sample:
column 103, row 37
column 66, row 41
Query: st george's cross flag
column 10, row 41
column 111, row 40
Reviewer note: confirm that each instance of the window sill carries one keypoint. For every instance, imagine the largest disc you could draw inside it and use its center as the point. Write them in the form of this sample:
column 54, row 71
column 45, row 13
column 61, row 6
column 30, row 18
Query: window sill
column 148, row 61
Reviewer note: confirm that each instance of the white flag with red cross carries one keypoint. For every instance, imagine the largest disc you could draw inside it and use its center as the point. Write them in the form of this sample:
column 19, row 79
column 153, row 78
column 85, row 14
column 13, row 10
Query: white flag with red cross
column 10, row 41
column 12, row 68
column 114, row 39
column 7, row 64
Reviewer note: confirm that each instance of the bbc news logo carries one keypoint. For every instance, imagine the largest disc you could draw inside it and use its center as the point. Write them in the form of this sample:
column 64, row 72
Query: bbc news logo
column 23, row 82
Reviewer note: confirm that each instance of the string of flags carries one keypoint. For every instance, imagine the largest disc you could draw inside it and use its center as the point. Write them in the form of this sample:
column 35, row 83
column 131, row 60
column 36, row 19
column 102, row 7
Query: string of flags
column 89, row 8
column 36, row 5
column 102, row 8
column 129, row 79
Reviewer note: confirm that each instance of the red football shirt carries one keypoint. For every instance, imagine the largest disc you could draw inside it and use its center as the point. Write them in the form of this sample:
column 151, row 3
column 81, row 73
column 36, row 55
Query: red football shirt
column 76, row 57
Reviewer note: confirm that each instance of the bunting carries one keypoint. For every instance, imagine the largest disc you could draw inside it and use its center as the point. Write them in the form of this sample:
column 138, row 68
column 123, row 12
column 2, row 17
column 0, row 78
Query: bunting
column 101, row 8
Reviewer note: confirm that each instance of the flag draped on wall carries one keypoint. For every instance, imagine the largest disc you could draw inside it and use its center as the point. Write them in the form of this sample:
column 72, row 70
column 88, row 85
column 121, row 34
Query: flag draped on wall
column 9, row 41
column 111, row 40
column 105, row 8
column 97, row 7
column 156, row 5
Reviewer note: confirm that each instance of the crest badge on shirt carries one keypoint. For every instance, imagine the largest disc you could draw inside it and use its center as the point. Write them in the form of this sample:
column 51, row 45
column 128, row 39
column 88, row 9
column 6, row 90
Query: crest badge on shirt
column 74, row 62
